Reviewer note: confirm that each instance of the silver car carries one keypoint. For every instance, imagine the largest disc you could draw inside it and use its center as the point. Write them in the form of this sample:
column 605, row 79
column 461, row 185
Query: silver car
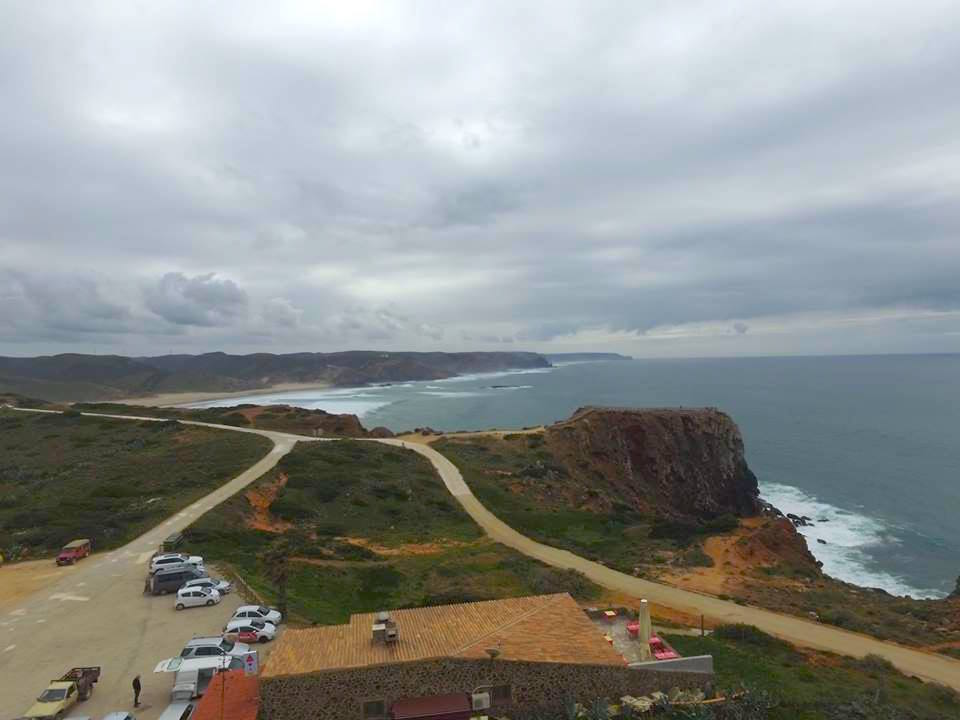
column 221, row 586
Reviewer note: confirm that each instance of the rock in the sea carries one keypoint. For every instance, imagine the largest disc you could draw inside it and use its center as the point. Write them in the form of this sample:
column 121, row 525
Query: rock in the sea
column 821, row 541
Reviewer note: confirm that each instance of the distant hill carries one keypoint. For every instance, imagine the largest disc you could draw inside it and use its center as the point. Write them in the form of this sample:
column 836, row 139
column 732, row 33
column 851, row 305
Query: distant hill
column 581, row 357
column 74, row 377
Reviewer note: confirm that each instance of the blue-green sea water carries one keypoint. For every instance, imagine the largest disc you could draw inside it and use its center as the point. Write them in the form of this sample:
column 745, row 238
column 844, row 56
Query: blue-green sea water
column 867, row 446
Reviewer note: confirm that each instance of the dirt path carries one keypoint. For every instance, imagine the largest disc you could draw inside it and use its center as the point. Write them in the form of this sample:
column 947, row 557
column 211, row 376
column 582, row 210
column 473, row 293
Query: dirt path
column 798, row 631
column 94, row 613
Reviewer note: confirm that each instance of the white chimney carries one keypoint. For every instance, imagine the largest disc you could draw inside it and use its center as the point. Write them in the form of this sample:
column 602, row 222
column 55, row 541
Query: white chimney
column 646, row 629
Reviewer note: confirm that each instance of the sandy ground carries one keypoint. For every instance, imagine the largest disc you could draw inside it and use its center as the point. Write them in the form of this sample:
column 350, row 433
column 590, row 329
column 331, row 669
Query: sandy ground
column 186, row 398
column 95, row 613
column 428, row 439
column 20, row 580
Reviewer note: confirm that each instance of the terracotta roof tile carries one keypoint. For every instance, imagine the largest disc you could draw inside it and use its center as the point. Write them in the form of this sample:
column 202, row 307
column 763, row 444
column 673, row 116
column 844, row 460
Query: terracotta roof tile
column 541, row 628
column 240, row 696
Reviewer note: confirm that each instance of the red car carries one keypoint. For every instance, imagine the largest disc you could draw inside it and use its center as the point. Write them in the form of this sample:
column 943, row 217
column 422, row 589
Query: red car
column 73, row 551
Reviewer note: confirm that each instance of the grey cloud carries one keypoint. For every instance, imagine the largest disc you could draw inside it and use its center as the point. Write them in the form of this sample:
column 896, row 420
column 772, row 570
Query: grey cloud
column 449, row 188
column 202, row 300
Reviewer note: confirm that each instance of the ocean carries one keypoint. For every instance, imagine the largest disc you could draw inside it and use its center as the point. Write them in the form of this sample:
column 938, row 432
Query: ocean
column 867, row 446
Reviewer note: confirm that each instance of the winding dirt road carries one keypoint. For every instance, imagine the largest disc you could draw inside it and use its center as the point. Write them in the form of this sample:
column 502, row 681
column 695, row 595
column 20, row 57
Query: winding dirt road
column 97, row 610
column 929, row 666
column 95, row 613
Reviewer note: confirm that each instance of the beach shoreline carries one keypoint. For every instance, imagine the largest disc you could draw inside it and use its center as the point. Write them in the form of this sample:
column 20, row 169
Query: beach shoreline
column 188, row 398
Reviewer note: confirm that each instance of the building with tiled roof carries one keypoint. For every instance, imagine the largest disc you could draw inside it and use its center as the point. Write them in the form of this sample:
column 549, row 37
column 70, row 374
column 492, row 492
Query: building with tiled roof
column 231, row 695
column 450, row 662
column 543, row 628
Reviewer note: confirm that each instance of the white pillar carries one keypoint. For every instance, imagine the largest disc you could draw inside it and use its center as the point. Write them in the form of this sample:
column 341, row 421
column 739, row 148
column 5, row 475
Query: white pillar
column 646, row 629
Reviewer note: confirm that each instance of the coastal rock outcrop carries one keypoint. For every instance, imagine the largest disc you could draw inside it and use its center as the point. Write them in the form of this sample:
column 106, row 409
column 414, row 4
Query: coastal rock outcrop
column 676, row 462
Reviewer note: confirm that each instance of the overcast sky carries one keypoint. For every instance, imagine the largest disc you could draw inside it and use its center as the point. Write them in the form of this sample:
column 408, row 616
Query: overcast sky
column 656, row 178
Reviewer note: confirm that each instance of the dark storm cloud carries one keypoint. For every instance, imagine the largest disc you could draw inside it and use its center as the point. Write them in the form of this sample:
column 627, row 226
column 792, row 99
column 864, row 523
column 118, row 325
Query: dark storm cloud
column 641, row 176
column 204, row 300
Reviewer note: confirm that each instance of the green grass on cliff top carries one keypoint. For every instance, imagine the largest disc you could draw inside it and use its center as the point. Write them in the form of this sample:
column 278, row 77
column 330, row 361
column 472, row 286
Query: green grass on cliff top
column 64, row 477
column 383, row 495
column 518, row 479
column 809, row 685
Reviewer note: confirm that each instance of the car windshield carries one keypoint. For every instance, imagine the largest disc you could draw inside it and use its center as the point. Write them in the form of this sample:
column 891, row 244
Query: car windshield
column 263, row 610
column 52, row 695
column 227, row 645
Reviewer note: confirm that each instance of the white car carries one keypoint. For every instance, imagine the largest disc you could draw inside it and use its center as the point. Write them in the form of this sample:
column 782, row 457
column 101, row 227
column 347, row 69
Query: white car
column 258, row 612
column 249, row 630
column 174, row 560
column 221, row 586
column 212, row 646
column 196, row 597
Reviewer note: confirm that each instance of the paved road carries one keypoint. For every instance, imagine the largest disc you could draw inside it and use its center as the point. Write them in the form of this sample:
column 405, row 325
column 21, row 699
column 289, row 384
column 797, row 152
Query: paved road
column 796, row 630
column 96, row 614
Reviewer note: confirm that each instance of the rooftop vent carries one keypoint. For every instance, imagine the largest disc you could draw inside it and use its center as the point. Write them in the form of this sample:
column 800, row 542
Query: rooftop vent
column 384, row 629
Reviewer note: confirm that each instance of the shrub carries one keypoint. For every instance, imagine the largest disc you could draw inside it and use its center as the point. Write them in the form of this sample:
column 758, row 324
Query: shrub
column 744, row 634
column 875, row 664
column 72, row 413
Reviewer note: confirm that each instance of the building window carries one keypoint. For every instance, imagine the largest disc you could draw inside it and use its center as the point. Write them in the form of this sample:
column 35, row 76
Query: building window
column 501, row 694
column 374, row 709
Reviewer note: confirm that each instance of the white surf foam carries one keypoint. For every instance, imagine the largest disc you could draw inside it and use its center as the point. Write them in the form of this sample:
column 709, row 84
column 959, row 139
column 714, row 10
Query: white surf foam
column 501, row 373
column 450, row 394
column 350, row 401
column 848, row 535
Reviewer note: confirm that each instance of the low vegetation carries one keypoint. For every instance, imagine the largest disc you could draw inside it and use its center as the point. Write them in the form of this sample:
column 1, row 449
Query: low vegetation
column 808, row 685
column 64, row 476
column 369, row 526
column 521, row 482
column 282, row 418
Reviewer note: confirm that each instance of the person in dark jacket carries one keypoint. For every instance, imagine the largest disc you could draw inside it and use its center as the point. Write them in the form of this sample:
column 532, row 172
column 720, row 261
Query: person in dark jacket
column 136, row 691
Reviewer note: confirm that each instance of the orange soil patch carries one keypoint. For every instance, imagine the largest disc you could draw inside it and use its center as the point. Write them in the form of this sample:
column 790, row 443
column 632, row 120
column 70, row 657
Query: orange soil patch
column 20, row 580
column 731, row 564
column 260, row 499
column 406, row 549
column 335, row 563
column 427, row 439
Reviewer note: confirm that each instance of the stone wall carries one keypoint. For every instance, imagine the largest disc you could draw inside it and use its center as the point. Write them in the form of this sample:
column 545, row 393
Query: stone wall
column 340, row 694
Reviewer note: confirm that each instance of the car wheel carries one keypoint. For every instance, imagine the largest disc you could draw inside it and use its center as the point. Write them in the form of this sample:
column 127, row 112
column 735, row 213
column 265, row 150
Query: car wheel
column 209, row 603
column 263, row 638
column 179, row 606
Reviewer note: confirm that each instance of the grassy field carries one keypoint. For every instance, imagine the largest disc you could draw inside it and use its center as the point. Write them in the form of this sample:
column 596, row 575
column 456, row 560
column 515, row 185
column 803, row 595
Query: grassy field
column 518, row 479
column 282, row 418
column 812, row 685
column 371, row 527
column 64, row 477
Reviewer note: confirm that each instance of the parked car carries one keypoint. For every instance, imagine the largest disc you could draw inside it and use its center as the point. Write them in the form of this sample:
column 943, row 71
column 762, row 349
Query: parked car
column 63, row 693
column 196, row 597
column 213, row 645
column 251, row 631
column 221, row 586
column 174, row 560
column 122, row 715
column 172, row 542
column 258, row 612
column 171, row 580
column 73, row 551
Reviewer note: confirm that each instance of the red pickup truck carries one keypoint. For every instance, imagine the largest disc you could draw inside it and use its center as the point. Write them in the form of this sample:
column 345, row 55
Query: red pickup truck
column 73, row 551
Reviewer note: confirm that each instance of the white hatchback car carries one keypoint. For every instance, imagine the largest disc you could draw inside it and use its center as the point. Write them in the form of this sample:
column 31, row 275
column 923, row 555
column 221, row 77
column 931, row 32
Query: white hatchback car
column 257, row 612
column 196, row 597
column 221, row 586
column 174, row 560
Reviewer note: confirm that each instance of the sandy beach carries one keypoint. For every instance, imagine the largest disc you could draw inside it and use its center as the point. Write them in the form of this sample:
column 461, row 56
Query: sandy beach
column 186, row 398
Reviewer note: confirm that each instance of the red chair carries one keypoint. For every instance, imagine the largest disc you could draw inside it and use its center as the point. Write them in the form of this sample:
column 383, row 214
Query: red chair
column 660, row 649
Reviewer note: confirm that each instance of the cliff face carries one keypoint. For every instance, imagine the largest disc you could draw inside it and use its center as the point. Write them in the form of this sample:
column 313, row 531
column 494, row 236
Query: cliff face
column 682, row 463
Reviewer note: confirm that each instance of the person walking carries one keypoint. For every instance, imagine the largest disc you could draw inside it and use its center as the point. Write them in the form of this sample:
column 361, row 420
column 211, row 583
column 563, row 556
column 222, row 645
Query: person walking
column 136, row 691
